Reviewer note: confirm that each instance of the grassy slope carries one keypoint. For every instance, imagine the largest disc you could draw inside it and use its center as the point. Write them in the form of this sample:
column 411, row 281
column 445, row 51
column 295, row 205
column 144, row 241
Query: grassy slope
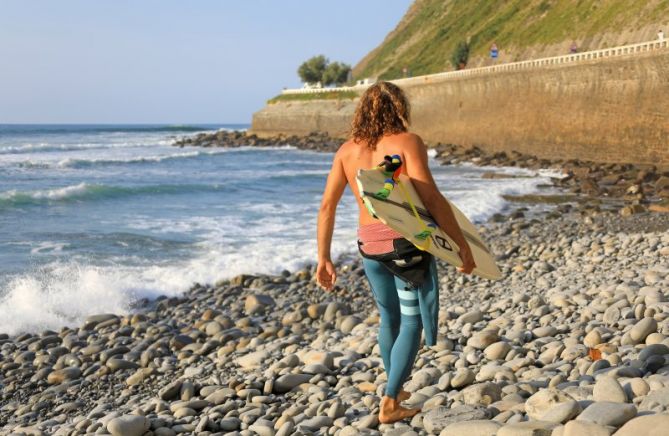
column 427, row 35
column 330, row 95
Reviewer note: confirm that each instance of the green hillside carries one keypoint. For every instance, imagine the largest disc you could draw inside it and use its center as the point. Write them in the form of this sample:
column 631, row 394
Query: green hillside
column 427, row 35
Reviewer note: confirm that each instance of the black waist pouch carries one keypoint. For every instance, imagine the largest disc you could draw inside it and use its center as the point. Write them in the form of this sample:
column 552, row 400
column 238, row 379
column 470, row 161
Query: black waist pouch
column 406, row 261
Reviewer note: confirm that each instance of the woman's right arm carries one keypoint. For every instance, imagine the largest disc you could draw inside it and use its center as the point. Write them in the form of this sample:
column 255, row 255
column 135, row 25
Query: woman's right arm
column 334, row 189
column 416, row 166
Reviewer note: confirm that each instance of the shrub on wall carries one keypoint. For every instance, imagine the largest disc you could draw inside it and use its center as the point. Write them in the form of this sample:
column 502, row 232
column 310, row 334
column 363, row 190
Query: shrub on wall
column 336, row 73
column 311, row 70
column 320, row 69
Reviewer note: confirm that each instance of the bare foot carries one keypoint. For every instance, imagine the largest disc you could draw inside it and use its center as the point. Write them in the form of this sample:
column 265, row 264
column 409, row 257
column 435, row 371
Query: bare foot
column 391, row 411
column 403, row 395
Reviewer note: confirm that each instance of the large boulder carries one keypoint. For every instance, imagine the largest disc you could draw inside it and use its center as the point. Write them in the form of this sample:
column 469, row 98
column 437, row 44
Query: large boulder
column 256, row 303
column 648, row 425
column 483, row 339
column 128, row 425
column 438, row 418
column 608, row 413
column 253, row 360
column 479, row 427
column 552, row 405
column 287, row 382
column 608, row 389
column 657, row 401
column 482, row 394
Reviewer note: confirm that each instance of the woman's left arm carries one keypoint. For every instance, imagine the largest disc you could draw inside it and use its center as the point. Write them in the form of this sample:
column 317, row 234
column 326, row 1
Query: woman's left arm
column 334, row 188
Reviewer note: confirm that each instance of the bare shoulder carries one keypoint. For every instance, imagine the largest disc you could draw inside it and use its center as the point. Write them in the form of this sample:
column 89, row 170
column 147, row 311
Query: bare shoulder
column 345, row 148
column 411, row 142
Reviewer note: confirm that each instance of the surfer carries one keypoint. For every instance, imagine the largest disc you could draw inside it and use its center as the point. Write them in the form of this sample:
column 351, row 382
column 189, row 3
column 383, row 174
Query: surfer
column 380, row 129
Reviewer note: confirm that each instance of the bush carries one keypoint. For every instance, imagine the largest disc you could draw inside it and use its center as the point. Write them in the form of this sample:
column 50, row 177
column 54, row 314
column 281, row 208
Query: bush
column 336, row 73
column 460, row 56
column 319, row 69
column 311, row 71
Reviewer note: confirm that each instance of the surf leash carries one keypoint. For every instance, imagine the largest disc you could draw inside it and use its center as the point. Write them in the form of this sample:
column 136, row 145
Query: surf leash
column 391, row 168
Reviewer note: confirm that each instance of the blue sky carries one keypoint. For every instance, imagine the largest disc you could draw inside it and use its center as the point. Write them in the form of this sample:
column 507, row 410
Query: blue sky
column 167, row 61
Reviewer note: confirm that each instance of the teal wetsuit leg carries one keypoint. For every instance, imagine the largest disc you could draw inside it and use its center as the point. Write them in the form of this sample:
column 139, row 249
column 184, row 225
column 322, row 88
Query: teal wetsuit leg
column 405, row 348
column 382, row 283
column 400, row 327
column 427, row 286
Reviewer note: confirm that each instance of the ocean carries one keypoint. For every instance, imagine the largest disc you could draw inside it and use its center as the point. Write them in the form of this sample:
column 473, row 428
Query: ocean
column 95, row 217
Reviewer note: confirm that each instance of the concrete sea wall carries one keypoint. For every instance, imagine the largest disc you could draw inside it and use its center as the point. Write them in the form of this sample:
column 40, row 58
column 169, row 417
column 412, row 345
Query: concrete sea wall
column 606, row 110
column 303, row 117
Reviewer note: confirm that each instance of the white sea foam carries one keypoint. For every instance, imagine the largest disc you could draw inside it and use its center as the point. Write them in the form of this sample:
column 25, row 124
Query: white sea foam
column 78, row 162
column 89, row 191
column 480, row 198
column 51, row 147
column 50, row 194
column 49, row 247
column 65, row 293
column 82, row 162
column 86, row 157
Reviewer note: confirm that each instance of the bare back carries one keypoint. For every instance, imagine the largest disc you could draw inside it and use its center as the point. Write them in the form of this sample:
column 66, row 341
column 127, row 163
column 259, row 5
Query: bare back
column 382, row 109
column 358, row 156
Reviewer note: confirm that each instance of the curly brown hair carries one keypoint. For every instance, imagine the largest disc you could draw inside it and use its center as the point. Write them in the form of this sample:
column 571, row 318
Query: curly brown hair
column 383, row 109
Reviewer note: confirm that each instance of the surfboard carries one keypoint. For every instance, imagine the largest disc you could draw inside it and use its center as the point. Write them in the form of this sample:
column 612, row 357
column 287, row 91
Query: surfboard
column 396, row 213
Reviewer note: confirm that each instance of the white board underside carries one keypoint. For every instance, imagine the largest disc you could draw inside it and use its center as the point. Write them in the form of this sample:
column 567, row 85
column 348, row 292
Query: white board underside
column 396, row 213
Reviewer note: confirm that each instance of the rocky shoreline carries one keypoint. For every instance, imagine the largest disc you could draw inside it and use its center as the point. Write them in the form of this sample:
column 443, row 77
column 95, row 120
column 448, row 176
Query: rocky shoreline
column 625, row 188
column 315, row 141
column 574, row 340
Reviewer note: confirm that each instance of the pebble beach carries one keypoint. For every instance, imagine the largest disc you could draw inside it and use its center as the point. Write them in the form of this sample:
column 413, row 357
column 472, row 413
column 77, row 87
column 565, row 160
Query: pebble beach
column 574, row 340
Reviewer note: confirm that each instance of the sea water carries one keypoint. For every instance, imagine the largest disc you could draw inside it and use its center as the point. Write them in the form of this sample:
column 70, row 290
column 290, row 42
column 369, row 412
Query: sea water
column 95, row 217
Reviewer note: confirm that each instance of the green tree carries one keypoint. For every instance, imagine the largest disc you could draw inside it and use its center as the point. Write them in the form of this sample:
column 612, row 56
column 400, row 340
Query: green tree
column 460, row 55
column 311, row 71
column 336, row 73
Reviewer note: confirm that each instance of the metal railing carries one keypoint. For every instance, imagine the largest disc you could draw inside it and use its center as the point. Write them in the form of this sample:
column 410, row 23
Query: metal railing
column 571, row 58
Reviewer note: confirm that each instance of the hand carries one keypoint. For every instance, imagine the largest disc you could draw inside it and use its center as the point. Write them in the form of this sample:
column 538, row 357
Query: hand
column 468, row 263
column 325, row 274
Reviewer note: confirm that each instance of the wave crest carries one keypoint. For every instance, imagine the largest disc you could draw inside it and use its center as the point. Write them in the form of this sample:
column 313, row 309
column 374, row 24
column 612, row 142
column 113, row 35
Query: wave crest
column 92, row 192
column 82, row 163
column 50, row 147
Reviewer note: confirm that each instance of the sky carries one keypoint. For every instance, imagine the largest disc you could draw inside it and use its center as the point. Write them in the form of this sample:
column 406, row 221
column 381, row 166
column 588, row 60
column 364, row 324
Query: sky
column 168, row 61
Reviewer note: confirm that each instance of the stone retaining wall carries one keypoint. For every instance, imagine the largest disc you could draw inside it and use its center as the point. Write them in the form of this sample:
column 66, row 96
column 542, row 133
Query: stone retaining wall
column 606, row 110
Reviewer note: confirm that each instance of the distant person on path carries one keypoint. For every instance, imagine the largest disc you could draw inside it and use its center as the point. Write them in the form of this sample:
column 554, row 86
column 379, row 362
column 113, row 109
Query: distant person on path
column 494, row 52
column 573, row 48
column 380, row 130
column 660, row 35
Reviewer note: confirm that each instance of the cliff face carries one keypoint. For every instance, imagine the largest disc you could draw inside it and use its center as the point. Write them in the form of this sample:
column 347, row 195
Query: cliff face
column 611, row 110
